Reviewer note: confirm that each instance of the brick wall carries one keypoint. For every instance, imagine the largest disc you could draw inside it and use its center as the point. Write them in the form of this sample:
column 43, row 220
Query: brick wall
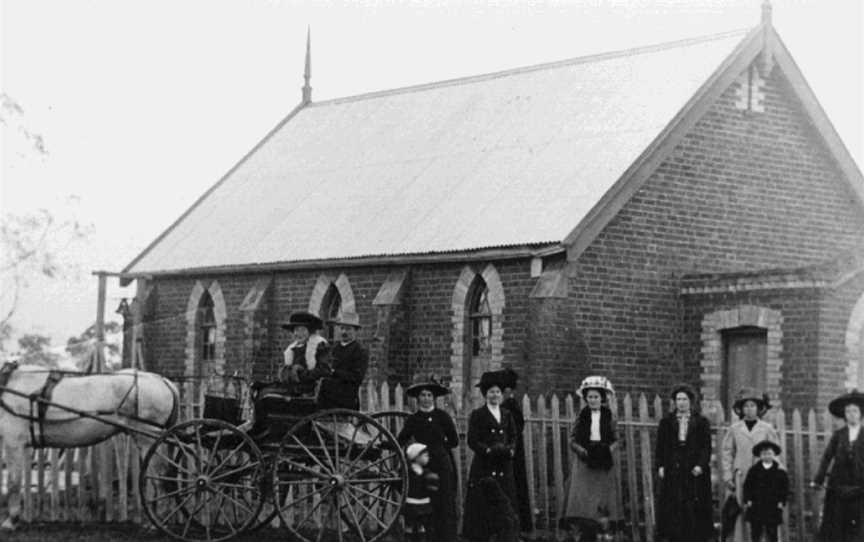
column 743, row 191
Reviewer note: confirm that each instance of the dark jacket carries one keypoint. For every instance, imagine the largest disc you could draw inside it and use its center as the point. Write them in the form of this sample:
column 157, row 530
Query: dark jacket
column 519, row 473
column 684, row 506
column 599, row 454
column 437, row 431
column 494, row 445
column 764, row 489
column 341, row 389
column 843, row 464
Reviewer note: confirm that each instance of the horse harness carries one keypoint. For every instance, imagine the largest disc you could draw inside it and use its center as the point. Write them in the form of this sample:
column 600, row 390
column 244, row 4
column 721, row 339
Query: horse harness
column 40, row 400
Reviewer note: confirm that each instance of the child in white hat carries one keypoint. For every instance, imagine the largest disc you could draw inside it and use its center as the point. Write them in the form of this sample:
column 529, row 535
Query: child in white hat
column 421, row 484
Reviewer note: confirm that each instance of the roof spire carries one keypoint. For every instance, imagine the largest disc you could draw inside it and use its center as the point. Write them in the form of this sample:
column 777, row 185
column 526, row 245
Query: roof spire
column 307, row 72
column 766, row 12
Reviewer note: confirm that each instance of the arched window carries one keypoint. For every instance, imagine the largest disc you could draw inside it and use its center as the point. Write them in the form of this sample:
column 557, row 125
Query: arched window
column 480, row 316
column 478, row 339
column 331, row 309
column 207, row 328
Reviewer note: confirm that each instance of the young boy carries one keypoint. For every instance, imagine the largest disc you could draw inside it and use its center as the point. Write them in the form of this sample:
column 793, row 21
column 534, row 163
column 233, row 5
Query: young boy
column 766, row 489
column 418, row 504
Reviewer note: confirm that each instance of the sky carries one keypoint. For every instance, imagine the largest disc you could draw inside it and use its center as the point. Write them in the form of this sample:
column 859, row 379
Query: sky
column 144, row 104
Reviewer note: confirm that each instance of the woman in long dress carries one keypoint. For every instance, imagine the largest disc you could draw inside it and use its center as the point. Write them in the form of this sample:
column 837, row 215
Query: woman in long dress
column 843, row 464
column 682, row 460
column 592, row 499
column 492, row 438
column 737, row 448
column 435, row 428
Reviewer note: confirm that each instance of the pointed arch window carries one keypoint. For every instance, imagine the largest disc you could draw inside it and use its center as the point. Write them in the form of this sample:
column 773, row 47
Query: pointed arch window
column 331, row 309
column 480, row 317
column 207, row 328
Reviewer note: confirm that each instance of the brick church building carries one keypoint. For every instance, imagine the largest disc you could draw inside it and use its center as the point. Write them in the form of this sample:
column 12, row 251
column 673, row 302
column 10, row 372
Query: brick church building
column 680, row 212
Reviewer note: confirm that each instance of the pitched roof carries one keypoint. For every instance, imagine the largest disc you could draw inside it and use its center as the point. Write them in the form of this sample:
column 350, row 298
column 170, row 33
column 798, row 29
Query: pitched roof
column 510, row 158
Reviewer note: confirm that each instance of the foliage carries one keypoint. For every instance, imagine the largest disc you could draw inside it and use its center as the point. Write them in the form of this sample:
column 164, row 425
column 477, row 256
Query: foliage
column 35, row 349
column 80, row 345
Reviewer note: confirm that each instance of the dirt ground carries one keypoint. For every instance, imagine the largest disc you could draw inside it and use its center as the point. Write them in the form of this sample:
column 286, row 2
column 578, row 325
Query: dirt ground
column 114, row 532
column 58, row 532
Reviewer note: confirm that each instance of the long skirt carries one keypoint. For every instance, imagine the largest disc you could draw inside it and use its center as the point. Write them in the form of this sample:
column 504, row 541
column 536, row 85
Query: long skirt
column 684, row 506
column 591, row 494
column 842, row 518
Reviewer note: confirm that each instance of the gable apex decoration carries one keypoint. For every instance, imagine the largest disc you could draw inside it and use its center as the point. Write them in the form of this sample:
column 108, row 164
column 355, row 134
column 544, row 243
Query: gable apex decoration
column 762, row 43
column 306, row 95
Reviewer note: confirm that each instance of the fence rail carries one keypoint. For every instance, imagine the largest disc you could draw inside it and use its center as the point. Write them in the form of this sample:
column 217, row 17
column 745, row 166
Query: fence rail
column 100, row 483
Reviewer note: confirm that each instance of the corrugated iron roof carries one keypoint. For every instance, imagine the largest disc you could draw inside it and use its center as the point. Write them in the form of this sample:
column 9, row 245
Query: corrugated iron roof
column 510, row 158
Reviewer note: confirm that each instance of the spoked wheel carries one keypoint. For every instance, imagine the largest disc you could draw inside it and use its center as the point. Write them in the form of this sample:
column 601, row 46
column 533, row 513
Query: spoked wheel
column 343, row 477
column 201, row 481
column 392, row 420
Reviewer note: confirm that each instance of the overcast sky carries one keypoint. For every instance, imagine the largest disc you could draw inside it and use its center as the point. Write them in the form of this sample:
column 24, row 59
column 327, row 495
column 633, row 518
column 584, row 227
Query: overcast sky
column 144, row 104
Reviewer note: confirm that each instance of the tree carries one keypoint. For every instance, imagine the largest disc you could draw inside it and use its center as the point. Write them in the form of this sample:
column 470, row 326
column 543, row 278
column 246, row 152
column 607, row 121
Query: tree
column 32, row 244
column 34, row 349
column 81, row 345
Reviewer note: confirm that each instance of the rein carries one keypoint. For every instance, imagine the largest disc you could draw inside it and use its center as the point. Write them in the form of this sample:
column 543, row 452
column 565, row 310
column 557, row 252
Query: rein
column 41, row 401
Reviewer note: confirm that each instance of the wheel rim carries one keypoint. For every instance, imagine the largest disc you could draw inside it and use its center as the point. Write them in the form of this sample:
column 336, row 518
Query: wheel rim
column 201, row 481
column 342, row 474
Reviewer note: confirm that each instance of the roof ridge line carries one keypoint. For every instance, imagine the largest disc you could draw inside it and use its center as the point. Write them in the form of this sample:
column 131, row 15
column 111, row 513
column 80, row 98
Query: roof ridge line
column 644, row 49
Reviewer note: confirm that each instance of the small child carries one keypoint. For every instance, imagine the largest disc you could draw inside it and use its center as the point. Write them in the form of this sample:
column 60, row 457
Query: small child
column 418, row 503
column 766, row 489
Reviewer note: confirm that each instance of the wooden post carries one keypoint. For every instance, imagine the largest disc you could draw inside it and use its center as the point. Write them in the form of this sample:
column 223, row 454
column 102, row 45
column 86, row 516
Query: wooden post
column 100, row 321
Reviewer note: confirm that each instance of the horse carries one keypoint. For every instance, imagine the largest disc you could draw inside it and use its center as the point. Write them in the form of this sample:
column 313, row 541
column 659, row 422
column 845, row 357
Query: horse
column 145, row 403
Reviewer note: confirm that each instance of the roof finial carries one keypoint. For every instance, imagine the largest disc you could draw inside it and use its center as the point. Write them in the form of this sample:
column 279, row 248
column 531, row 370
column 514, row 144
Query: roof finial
column 766, row 12
column 307, row 72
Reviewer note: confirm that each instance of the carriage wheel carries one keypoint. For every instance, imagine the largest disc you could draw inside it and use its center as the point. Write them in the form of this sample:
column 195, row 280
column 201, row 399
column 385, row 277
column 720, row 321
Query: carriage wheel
column 201, row 481
column 343, row 477
column 392, row 420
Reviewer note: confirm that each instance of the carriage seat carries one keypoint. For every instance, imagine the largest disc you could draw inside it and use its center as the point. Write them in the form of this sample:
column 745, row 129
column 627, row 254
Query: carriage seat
column 279, row 406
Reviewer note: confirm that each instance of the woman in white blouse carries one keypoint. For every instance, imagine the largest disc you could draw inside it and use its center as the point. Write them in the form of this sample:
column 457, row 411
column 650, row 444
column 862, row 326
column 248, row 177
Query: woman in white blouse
column 591, row 502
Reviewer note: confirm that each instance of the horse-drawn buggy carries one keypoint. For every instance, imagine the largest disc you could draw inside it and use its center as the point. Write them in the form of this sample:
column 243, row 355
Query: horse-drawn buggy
column 332, row 474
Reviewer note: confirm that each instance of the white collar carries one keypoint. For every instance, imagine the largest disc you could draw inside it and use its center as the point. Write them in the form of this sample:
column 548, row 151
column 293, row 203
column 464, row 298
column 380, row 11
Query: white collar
column 343, row 343
column 416, row 468
column 427, row 410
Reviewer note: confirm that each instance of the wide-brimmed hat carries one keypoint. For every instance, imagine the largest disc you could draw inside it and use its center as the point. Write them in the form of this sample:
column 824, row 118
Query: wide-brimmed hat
column 686, row 388
column 490, row 379
column 346, row 319
column 432, row 385
column 837, row 407
column 766, row 444
column 751, row 394
column 303, row 319
column 599, row 383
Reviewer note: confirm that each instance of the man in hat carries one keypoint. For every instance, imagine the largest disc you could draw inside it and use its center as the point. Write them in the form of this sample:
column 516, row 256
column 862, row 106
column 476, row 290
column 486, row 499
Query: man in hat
column 306, row 357
column 350, row 360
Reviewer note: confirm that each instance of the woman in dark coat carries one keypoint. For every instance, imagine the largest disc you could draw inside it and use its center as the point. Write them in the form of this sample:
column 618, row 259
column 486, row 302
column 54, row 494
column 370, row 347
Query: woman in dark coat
column 510, row 379
column 682, row 463
column 435, row 428
column 492, row 438
column 843, row 464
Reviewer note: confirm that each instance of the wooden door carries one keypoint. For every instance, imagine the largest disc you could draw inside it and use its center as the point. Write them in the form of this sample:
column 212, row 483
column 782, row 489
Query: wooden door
column 744, row 361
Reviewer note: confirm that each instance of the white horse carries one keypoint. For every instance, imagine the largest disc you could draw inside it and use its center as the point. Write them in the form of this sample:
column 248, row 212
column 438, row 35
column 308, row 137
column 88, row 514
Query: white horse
column 135, row 399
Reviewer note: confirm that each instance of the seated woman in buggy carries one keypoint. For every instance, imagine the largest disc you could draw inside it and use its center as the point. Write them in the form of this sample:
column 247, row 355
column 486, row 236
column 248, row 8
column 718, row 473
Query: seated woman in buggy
column 314, row 376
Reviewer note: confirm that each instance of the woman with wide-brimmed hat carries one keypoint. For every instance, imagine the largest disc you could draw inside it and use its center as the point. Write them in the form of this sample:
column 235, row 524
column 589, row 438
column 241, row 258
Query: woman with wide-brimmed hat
column 843, row 464
column 736, row 454
column 682, row 460
column 492, row 438
column 306, row 358
column 435, row 429
column 592, row 488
